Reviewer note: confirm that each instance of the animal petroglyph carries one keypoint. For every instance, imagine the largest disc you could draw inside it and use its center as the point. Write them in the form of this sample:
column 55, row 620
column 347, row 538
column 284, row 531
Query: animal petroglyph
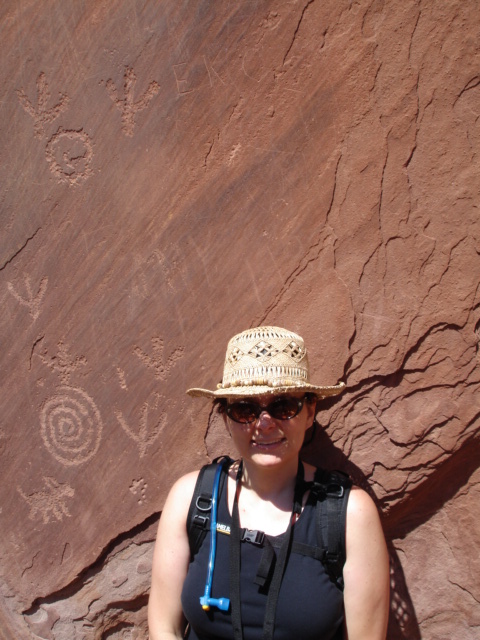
column 32, row 302
column 71, row 426
column 69, row 154
column 41, row 114
column 157, row 361
column 50, row 503
column 63, row 363
column 139, row 487
column 146, row 434
column 127, row 106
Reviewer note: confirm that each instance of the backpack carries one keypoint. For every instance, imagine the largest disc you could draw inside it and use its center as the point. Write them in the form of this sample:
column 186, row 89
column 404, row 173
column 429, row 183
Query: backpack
column 329, row 490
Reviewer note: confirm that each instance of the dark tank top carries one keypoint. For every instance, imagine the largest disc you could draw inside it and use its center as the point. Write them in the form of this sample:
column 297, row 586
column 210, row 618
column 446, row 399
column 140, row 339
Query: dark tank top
column 310, row 606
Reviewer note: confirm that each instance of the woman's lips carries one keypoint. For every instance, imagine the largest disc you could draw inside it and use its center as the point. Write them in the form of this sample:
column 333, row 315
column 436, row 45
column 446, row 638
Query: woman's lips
column 268, row 444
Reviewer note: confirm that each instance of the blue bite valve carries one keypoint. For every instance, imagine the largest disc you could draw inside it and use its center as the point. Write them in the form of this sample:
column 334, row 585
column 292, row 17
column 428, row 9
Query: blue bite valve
column 221, row 603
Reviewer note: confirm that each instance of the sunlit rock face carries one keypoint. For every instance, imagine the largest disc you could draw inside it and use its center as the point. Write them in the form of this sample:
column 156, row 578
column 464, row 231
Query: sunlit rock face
column 175, row 172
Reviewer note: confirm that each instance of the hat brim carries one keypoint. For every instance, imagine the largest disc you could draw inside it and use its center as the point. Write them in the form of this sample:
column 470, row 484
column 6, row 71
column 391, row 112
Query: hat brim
column 261, row 390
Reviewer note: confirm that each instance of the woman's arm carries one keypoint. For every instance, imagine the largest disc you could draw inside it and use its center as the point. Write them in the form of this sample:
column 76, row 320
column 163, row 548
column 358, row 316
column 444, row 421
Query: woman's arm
column 170, row 563
column 366, row 572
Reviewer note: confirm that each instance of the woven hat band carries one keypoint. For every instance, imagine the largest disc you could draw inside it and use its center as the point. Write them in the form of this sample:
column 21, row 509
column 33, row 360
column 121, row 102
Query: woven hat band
column 280, row 376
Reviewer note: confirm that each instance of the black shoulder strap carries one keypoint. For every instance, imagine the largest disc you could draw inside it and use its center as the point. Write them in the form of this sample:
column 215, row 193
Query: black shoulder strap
column 331, row 489
column 198, row 518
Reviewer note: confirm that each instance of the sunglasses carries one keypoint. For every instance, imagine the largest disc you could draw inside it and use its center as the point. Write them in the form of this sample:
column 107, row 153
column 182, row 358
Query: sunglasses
column 247, row 411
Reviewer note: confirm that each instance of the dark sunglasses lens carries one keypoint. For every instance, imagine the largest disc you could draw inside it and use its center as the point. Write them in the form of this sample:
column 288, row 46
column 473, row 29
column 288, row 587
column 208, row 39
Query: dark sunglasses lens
column 285, row 408
column 243, row 411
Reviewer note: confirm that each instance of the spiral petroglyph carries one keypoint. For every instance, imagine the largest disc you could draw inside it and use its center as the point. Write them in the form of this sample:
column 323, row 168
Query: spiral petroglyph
column 69, row 154
column 71, row 426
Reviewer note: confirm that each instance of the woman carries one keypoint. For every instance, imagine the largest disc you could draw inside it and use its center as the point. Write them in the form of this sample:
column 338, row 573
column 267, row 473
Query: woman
column 268, row 501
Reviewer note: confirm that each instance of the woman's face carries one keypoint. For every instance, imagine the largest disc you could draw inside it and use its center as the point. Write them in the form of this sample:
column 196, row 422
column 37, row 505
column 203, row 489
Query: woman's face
column 268, row 440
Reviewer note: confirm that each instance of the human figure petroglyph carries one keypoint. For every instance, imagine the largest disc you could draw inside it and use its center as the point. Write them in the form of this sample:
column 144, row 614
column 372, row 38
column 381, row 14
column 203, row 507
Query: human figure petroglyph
column 50, row 503
column 157, row 361
column 32, row 302
column 128, row 106
column 145, row 435
column 41, row 114
column 69, row 154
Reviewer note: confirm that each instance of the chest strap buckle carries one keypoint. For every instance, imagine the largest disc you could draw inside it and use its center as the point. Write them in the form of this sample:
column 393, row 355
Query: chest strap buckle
column 253, row 536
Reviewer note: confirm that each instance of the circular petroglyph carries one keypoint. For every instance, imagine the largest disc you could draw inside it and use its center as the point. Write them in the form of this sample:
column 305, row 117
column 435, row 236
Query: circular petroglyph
column 70, row 154
column 71, row 426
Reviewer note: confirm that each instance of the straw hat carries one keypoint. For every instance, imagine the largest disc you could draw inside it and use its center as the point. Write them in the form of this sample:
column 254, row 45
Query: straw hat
column 266, row 360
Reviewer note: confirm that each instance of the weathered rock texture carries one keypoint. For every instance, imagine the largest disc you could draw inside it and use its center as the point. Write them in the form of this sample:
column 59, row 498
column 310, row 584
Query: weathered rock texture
column 174, row 172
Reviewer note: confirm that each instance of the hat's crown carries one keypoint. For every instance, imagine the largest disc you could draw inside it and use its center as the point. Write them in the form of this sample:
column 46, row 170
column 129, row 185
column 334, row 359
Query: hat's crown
column 266, row 356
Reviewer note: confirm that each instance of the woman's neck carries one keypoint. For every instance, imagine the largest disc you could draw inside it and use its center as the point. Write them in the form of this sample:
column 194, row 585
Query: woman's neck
column 270, row 483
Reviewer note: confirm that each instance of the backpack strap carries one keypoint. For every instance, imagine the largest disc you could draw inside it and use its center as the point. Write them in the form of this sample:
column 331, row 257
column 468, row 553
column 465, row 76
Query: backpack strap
column 199, row 512
column 331, row 489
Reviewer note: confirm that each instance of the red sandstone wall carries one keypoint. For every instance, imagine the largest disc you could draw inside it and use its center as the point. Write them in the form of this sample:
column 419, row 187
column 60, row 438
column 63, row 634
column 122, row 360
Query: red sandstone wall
column 173, row 172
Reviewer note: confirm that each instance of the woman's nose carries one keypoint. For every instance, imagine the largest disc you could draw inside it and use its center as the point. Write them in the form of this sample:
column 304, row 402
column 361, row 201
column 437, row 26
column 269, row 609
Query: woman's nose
column 265, row 420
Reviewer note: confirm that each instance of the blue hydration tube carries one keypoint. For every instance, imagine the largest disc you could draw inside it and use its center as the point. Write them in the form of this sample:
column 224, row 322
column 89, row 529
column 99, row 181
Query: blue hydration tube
column 206, row 601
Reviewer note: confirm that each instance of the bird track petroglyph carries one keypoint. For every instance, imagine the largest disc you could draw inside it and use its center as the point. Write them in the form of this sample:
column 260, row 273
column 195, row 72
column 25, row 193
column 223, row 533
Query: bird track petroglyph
column 127, row 105
column 32, row 301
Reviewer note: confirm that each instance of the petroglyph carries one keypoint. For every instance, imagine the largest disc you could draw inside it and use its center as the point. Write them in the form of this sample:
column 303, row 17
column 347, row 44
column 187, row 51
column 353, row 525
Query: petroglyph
column 169, row 267
column 69, row 154
column 122, row 379
column 145, row 435
column 127, row 106
column 41, row 114
column 157, row 360
column 139, row 487
column 50, row 503
column 32, row 302
column 63, row 363
column 139, row 284
column 180, row 78
column 71, row 426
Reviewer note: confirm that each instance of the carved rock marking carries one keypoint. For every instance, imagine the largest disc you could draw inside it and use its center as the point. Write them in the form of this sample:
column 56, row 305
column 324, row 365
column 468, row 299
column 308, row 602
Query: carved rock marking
column 122, row 379
column 71, row 426
column 41, row 114
column 139, row 487
column 63, row 363
column 145, row 435
column 69, row 154
column 49, row 503
column 157, row 361
column 127, row 106
column 33, row 302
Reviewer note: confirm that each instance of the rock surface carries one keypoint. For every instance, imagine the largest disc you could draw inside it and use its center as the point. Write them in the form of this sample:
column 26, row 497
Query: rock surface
column 173, row 173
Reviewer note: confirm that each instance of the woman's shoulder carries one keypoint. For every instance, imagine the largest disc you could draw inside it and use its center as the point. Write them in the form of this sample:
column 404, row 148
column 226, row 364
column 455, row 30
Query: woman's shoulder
column 363, row 524
column 361, row 506
column 179, row 497
column 183, row 488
